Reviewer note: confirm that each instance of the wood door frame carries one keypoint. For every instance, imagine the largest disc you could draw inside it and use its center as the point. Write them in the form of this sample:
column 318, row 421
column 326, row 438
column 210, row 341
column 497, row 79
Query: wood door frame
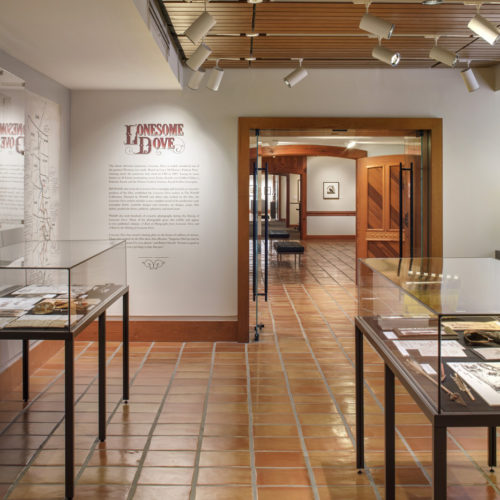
column 245, row 124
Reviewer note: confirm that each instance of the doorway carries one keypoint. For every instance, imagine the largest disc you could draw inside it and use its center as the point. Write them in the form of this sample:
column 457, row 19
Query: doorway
column 426, row 234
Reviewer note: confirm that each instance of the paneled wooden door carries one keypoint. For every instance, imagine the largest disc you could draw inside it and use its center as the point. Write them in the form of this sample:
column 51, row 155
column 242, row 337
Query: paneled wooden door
column 388, row 206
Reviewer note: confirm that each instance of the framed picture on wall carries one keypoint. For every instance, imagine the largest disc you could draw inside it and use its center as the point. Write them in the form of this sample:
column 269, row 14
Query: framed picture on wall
column 331, row 190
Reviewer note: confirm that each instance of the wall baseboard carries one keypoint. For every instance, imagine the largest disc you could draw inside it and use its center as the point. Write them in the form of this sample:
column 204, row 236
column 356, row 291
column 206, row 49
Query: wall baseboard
column 12, row 377
column 340, row 237
column 168, row 331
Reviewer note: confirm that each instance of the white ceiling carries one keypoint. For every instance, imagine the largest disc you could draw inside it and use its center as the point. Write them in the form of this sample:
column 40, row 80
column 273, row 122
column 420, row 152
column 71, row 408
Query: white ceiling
column 85, row 44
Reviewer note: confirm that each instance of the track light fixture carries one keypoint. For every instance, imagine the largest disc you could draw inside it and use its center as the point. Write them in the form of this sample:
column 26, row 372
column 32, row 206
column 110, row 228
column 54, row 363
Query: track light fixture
column 484, row 28
column 296, row 76
column 469, row 78
column 195, row 79
column 443, row 56
column 198, row 57
column 198, row 30
column 376, row 26
column 385, row 55
column 215, row 77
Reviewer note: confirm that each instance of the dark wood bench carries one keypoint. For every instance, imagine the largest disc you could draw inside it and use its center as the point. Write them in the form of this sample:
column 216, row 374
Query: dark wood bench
column 275, row 234
column 289, row 247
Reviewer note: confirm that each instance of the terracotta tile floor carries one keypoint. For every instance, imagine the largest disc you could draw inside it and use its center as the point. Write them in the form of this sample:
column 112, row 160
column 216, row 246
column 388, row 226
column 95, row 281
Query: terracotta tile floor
column 268, row 420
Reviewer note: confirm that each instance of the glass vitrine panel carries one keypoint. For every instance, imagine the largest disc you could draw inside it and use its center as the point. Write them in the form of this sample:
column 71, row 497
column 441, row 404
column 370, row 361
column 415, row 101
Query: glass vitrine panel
column 55, row 284
column 439, row 320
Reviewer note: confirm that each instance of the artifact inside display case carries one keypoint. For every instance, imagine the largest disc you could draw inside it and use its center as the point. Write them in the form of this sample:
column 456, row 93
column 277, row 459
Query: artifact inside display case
column 439, row 320
column 55, row 284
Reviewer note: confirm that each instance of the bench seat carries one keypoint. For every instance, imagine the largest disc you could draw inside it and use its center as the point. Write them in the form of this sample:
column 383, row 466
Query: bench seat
column 293, row 247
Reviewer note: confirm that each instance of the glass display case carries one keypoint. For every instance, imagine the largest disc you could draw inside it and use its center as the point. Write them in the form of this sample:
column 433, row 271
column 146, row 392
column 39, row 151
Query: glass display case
column 58, row 285
column 53, row 290
column 438, row 319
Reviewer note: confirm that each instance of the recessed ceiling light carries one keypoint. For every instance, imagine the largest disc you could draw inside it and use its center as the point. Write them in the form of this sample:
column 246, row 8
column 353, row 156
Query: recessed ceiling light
column 432, row 2
column 255, row 1
column 251, row 58
column 252, row 35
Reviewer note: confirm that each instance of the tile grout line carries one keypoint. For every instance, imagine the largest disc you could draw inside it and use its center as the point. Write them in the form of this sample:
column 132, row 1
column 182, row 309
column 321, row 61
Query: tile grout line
column 370, row 390
column 339, row 410
column 194, row 479
column 38, row 451
column 250, row 427
column 305, row 451
column 145, row 450
column 36, row 398
column 474, row 463
column 323, row 269
column 118, row 404
column 318, row 367
column 318, row 262
column 422, row 468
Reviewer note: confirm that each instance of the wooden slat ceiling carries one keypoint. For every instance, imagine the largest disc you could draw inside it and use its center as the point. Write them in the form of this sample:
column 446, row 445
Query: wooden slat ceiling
column 327, row 34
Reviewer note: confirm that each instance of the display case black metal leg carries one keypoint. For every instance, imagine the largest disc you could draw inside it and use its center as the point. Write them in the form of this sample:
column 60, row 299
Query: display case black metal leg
column 492, row 447
column 360, row 409
column 439, row 462
column 102, row 376
column 69, row 398
column 26, row 370
column 390, row 435
column 126, row 391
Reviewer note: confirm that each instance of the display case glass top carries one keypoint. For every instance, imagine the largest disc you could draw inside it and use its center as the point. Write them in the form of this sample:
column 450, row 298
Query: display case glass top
column 59, row 285
column 446, row 285
column 54, row 254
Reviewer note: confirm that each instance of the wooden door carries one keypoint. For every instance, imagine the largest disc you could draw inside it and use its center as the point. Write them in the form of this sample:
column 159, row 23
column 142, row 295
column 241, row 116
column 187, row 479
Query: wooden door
column 378, row 206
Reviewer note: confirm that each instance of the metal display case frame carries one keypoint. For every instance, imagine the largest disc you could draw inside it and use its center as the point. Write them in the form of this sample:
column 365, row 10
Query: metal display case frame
column 379, row 279
column 68, row 334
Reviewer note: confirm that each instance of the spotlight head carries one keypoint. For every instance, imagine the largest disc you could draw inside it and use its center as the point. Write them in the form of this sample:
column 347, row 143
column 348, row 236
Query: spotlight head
column 214, row 78
column 200, row 27
column 470, row 80
column 443, row 56
column 484, row 29
column 195, row 79
column 295, row 77
column 385, row 55
column 198, row 57
column 376, row 26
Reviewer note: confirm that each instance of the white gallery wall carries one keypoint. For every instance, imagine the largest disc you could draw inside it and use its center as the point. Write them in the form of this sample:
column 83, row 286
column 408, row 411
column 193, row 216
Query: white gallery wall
column 202, row 280
column 322, row 169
